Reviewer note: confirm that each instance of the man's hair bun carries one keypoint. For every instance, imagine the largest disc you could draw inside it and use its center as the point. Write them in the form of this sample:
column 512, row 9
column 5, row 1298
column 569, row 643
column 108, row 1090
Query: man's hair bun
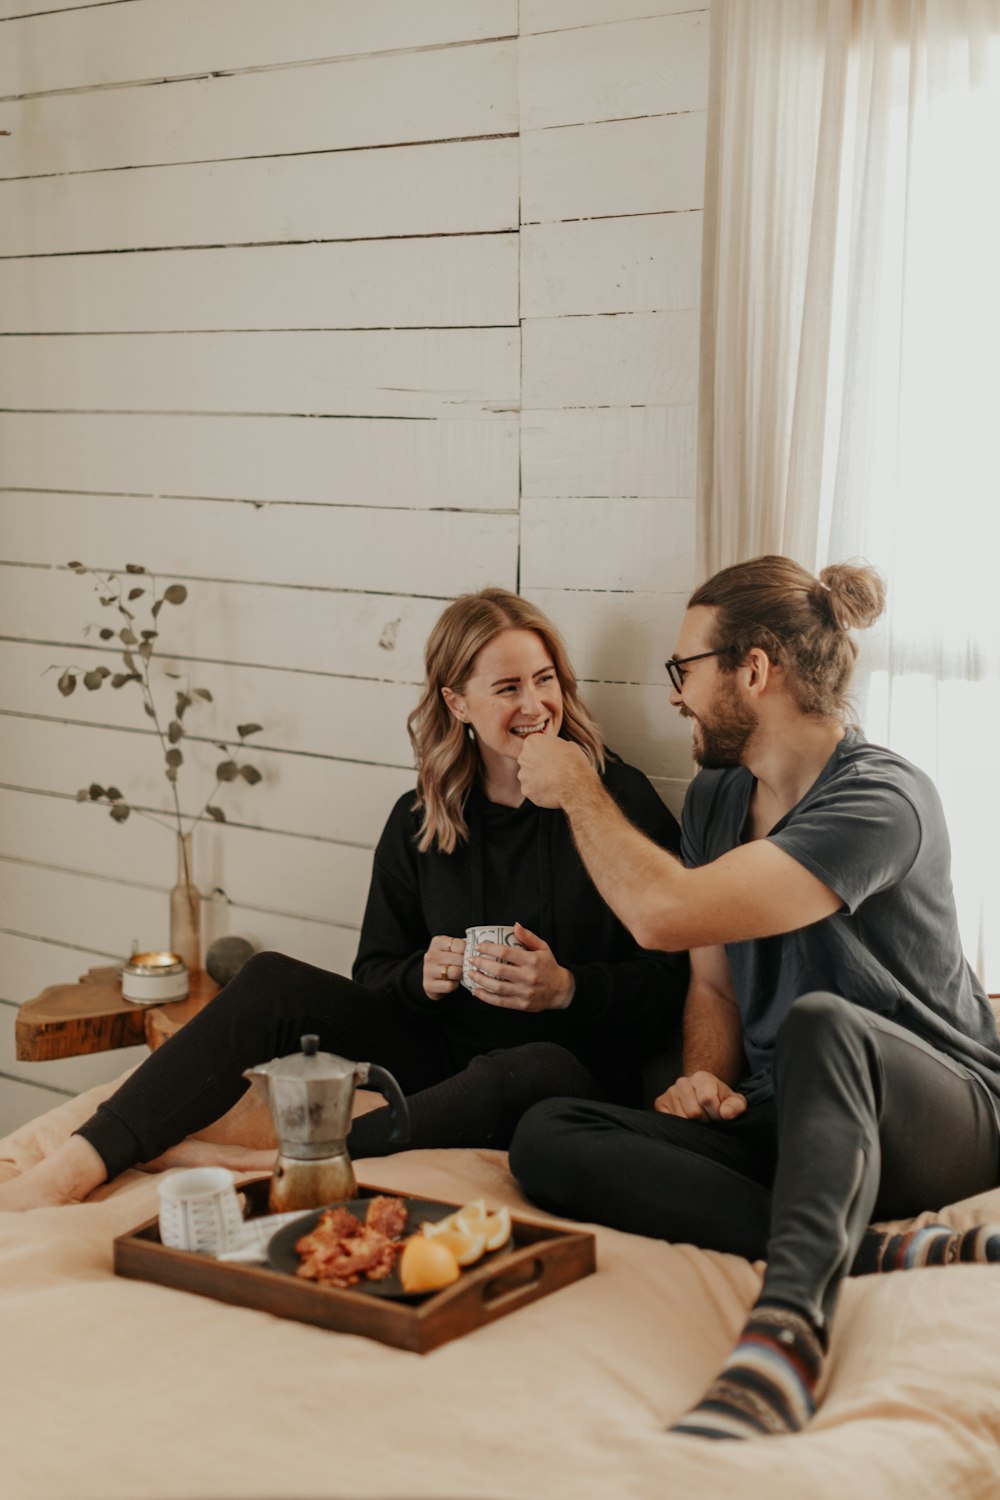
column 856, row 594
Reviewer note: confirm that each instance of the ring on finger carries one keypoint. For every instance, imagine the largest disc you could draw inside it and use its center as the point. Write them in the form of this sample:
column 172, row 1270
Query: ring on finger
column 444, row 971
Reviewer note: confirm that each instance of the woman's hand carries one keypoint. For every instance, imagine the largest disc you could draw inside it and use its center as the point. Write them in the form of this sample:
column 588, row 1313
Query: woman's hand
column 701, row 1096
column 443, row 966
column 527, row 978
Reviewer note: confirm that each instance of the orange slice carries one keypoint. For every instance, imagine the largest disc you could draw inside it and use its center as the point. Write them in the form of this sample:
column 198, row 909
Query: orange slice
column 472, row 1217
column 470, row 1231
column 427, row 1264
column 433, row 1227
column 496, row 1229
column 466, row 1248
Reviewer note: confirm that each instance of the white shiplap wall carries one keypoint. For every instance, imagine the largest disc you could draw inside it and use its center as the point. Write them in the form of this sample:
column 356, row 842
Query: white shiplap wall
column 330, row 311
column 612, row 122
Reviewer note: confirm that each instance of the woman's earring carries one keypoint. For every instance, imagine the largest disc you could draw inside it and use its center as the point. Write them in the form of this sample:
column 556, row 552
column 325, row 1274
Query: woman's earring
column 470, row 732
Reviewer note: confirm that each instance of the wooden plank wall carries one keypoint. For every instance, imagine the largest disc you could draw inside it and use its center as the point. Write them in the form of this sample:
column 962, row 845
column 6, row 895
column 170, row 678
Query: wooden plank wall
column 329, row 311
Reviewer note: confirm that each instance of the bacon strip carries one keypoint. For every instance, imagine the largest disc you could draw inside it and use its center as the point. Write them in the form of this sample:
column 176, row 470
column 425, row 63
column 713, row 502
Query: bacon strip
column 340, row 1250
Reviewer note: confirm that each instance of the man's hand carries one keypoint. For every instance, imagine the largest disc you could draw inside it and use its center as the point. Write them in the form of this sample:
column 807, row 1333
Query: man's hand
column 701, row 1097
column 550, row 768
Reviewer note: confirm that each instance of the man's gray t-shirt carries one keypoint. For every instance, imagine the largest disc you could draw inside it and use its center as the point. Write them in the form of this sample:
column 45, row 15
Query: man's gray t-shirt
column 872, row 829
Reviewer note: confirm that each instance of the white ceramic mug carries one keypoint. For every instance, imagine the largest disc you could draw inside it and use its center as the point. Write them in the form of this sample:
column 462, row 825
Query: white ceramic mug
column 200, row 1210
column 476, row 935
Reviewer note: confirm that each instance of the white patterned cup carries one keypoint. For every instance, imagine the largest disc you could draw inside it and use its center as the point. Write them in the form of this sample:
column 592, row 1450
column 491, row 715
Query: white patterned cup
column 476, row 935
column 200, row 1210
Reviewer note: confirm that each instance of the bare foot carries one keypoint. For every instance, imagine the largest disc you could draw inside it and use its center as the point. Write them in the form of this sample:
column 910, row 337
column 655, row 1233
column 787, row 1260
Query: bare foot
column 22, row 1193
column 195, row 1153
column 72, row 1171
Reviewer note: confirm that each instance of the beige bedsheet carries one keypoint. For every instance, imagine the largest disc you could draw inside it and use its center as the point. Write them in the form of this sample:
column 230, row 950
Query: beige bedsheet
column 113, row 1389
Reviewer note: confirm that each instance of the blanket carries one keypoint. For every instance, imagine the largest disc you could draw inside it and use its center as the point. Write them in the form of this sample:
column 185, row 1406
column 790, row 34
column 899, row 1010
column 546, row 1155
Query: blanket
column 113, row 1389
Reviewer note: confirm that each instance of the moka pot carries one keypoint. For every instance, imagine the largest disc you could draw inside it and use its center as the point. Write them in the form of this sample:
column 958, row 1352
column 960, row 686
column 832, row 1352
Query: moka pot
column 310, row 1095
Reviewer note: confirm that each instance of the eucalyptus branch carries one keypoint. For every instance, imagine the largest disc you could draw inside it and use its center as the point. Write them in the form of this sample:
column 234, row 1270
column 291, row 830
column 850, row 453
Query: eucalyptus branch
column 138, row 651
column 205, row 809
column 147, row 692
column 94, row 793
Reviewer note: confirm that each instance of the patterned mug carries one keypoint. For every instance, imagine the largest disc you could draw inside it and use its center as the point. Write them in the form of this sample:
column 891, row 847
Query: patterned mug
column 200, row 1210
column 477, row 935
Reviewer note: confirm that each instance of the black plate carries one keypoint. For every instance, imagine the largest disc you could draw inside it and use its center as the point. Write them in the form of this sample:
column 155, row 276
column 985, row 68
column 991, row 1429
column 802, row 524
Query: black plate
column 283, row 1256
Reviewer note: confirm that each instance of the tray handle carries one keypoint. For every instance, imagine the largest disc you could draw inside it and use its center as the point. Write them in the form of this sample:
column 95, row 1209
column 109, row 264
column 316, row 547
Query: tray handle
column 512, row 1284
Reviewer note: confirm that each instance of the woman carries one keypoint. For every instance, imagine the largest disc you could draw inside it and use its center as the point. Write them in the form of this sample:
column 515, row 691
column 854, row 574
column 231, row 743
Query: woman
column 466, row 849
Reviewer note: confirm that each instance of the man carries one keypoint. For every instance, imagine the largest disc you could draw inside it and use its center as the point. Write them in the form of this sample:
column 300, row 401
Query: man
column 841, row 1061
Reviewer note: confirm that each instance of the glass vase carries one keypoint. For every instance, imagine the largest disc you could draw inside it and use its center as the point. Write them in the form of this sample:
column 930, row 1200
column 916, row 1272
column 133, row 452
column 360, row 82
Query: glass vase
column 185, row 908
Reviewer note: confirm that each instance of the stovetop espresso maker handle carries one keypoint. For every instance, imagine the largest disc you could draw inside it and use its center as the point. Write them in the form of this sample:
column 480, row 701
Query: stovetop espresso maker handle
column 399, row 1114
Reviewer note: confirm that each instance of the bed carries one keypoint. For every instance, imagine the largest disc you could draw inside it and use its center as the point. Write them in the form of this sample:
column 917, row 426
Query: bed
column 114, row 1389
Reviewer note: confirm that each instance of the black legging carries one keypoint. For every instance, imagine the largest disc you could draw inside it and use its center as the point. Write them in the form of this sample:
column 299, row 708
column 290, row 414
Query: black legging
column 866, row 1122
column 197, row 1075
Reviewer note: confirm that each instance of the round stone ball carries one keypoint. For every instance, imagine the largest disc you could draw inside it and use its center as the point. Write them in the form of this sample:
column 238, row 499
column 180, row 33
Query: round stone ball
column 226, row 957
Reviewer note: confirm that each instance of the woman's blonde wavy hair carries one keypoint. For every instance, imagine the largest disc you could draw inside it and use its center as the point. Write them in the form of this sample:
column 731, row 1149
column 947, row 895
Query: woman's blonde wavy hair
column 448, row 760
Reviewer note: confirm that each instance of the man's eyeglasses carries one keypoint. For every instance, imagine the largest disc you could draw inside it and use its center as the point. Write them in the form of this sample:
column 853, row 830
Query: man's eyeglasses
column 676, row 665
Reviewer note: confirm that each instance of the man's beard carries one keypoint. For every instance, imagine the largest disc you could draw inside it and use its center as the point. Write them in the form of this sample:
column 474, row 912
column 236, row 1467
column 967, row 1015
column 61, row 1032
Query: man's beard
column 725, row 733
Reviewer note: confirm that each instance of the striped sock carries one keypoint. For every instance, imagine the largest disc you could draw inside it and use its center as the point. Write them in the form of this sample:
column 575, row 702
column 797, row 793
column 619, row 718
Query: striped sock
column 934, row 1245
column 766, row 1387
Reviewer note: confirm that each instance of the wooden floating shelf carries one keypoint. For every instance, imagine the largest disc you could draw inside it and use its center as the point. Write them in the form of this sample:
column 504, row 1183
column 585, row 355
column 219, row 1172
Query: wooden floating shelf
column 71, row 1020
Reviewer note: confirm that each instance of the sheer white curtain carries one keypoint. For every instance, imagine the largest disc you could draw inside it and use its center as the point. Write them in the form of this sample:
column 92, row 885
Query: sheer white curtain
column 850, row 386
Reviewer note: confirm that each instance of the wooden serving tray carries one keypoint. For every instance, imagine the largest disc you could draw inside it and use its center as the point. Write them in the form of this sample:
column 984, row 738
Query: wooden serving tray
column 542, row 1259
